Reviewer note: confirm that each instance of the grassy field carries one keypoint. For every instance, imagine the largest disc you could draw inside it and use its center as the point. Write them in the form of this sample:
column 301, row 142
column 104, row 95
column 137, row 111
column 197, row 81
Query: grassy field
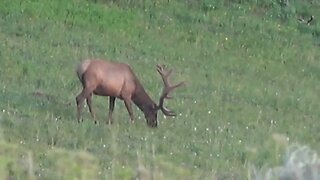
column 252, row 72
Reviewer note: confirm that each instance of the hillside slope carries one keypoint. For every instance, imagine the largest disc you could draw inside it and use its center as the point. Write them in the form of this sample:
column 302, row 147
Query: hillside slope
column 252, row 71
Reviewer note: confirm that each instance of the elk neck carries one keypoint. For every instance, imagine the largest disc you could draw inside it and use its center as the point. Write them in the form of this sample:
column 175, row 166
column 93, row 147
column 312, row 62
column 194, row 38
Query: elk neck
column 141, row 98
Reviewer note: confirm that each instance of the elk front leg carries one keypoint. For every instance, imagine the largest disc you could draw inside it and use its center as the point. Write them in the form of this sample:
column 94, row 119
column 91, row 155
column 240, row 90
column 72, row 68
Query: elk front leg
column 111, row 108
column 127, row 102
column 89, row 103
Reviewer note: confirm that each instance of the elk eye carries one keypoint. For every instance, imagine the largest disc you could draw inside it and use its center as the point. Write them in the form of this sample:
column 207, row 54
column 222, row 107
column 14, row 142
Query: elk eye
column 154, row 106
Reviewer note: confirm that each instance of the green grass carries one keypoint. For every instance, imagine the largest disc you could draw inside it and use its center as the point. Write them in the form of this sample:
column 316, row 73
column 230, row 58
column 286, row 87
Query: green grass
column 252, row 71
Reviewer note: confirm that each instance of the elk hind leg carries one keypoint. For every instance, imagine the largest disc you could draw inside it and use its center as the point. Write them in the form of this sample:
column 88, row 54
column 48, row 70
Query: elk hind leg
column 85, row 93
column 89, row 103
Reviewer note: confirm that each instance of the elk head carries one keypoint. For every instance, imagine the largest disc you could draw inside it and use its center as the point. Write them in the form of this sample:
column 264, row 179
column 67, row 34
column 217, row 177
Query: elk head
column 151, row 114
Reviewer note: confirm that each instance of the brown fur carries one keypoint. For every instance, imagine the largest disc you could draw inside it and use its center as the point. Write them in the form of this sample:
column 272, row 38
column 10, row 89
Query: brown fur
column 116, row 80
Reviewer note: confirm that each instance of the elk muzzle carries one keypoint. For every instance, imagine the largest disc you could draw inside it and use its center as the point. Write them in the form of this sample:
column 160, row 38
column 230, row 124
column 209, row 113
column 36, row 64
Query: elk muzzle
column 152, row 119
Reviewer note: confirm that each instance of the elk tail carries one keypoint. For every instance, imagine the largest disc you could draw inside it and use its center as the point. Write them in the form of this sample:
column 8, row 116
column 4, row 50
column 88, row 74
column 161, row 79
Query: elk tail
column 82, row 68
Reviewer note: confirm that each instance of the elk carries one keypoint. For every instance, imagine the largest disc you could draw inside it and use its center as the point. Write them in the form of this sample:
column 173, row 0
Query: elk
column 117, row 80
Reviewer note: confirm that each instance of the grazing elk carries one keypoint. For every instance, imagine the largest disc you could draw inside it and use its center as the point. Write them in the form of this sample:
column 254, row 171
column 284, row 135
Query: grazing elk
column 117, row 80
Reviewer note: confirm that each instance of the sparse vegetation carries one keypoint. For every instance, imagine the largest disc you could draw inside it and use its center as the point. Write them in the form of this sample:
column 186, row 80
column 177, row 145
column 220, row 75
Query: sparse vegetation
column 252, row 72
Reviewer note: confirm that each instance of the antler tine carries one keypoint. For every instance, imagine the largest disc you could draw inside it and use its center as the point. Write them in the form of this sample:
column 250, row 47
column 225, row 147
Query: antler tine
column 164, row 73
column 170, row 89
column 167, row 89
column 165, row 110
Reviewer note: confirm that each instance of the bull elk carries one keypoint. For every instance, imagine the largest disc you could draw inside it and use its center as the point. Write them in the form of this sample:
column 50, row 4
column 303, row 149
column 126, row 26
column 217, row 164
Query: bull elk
column 117, row 80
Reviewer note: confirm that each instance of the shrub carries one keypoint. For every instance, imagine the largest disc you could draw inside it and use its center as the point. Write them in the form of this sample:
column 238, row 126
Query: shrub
column 300, row 163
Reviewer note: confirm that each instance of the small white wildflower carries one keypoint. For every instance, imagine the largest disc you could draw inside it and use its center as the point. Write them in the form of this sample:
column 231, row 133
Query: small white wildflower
column 271, row 121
